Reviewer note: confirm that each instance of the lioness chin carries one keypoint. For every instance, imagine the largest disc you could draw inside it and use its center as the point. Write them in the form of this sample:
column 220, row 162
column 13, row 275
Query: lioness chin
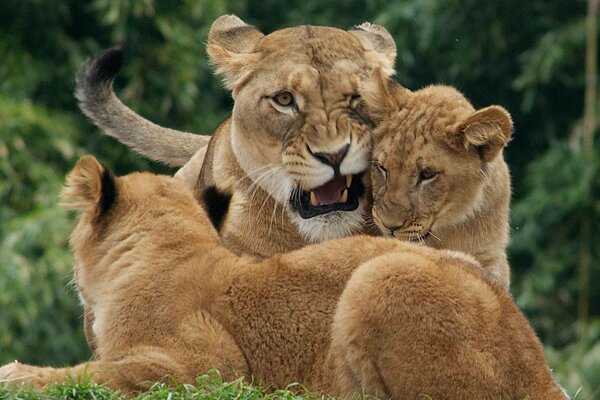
column 291, row 164
column 438, row 175
column 345, row 317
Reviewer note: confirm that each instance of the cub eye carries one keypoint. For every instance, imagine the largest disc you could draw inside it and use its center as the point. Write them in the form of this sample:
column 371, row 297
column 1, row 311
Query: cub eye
column 427, row 175
column 284, row 99
column 381, row 169
column 355, row 100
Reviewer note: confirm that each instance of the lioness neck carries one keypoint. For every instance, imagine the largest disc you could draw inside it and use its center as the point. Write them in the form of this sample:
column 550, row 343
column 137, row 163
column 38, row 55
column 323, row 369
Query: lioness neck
column 254, row 223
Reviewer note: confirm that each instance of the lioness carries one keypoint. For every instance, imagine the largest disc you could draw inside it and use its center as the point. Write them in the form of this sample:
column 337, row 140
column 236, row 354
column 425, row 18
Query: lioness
column 348, row 316
column 438, row 173
column 289, row 167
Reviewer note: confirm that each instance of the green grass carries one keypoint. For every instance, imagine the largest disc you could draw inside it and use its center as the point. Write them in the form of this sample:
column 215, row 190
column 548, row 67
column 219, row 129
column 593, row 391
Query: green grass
column 208, row 387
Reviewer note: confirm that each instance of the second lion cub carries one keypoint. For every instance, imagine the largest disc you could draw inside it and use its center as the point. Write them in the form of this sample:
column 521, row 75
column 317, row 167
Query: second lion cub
column 346, row 317
column 438, row 173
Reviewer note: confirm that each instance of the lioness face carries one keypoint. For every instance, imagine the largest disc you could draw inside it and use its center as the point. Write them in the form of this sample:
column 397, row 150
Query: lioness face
column 431, row 157
column 303, row 137
column 301, row 132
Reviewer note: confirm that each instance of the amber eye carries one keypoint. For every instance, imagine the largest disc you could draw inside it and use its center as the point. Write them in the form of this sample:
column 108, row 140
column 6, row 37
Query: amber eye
column 284, row 99
column 427, row 175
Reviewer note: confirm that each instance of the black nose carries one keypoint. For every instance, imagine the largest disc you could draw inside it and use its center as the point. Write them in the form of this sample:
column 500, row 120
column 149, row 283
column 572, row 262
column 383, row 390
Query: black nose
column 332, row 159
column 392, row 228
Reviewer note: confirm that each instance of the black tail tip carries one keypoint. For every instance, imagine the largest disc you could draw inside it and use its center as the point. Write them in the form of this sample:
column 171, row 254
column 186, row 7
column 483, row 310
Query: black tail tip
column 104, row 66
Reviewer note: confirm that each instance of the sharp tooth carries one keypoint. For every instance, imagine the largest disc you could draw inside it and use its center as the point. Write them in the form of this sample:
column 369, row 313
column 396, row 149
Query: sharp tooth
column 313, row 200
column 344, row 197
column 348, row 180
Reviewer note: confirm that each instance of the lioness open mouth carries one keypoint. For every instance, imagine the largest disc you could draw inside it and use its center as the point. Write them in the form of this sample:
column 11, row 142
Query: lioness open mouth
column 342, row 193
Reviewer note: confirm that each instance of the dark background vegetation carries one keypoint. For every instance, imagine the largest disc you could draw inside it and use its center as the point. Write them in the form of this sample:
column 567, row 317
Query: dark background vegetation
column 528, row 56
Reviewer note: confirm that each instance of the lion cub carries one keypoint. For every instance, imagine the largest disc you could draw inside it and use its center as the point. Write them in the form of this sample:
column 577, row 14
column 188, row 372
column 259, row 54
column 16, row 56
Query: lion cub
column 438, row 175
column 349, row 316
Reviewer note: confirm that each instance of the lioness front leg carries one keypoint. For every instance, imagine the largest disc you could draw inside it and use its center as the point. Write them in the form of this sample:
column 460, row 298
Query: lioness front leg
column 132, row 373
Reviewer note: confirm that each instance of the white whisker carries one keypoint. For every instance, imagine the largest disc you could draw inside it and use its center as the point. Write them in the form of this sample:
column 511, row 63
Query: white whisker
column 284, row 210
column 257, row 171
column 267, row 198
column 274, row 211
column 434, row 236
column 255, row 185
column 370, row 223
column 419, row 239
column 282, row 192
column 264, row 203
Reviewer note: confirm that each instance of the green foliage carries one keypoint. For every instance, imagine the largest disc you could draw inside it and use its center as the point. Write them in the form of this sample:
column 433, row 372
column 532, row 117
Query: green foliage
column 561, row 193
column 35, row 308
column 577, row 366
column 157, row 34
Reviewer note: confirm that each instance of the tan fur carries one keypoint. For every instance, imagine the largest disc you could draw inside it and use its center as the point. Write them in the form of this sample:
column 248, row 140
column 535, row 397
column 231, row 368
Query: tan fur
column 347, row 316
column 98, row 101
column 466, row 205
column 263, row 155
column 189, row 173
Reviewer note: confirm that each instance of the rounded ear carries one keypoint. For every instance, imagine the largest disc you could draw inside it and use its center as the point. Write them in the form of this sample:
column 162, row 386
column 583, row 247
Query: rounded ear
column 488, row 130
column 382, row 95
column 89, row 186
column 231, row 44
column 379, row 46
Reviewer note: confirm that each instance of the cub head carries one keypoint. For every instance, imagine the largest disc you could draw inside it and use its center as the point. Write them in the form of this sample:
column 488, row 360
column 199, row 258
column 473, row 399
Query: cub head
column 114, row 208
column 433, row 153
column 299, row 129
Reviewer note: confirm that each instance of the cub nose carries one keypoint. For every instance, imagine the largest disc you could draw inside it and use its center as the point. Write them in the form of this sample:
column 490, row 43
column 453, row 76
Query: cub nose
column 389, row 225
column 392, row 229
column 332, row 159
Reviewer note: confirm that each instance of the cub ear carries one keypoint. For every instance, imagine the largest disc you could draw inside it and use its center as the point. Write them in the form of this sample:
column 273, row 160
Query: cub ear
column 89, row 186
column 379, row 45
column 382, row 95
column 488, row 130
column 231, row 44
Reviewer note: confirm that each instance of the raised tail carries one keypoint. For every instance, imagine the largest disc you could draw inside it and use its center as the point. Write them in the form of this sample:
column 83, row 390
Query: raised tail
column 98, row 101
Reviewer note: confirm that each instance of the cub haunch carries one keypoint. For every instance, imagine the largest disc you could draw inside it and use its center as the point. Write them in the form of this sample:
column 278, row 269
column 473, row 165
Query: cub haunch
column 350, row 316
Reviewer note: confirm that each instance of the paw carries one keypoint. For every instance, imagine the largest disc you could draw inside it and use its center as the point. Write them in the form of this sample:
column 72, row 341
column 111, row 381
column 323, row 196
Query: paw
column 16, row 374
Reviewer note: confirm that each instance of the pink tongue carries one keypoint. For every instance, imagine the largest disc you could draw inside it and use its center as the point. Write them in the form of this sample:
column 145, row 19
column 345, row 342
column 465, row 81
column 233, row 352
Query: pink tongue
column 330, row 192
